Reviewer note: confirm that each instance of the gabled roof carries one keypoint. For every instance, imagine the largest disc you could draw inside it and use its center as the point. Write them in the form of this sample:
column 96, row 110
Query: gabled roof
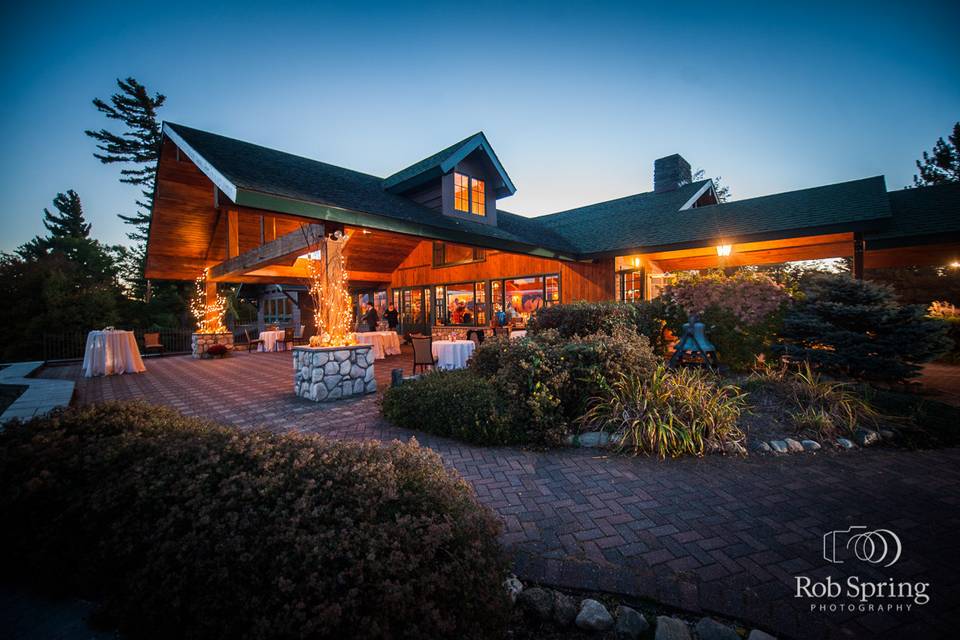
column 264, row 178
column 443, row 162
column 654, row 221
column 933, row 212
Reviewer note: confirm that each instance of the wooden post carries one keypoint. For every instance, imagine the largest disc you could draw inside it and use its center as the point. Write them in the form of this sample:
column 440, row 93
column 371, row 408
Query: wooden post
column 233, row 233
column 858, row 247
column 269, row 228
column 210, row 298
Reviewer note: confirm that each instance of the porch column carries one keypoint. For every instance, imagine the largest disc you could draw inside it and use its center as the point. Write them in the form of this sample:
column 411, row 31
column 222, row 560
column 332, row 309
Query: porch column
column 858, row 247
column 210, row 298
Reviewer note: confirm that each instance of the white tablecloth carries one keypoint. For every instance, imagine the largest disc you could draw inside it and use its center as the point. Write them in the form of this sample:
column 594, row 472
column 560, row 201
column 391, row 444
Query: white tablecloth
column 519, row 333
column 384, row 343
column 452, row 354
column 111, row 352
column 272, row 341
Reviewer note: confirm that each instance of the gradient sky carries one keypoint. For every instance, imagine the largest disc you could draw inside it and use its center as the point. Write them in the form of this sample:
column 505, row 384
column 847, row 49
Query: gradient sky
column 577, row 99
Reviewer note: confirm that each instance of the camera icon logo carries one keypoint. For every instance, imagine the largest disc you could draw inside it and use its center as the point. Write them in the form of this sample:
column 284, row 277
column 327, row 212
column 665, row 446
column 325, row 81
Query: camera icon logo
column 875, row 546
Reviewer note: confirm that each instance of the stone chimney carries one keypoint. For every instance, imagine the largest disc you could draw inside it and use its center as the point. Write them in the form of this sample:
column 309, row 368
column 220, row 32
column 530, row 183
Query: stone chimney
column 670, row 173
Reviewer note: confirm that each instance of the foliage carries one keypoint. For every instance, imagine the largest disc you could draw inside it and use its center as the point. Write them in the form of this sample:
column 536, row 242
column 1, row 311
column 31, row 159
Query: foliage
column 919, row 285
column 456, row 404
column 68, row 222
column 586, row 318
column 722, row 190
column 186, row 529
column 942, row 165
column 672, row 412
column 922, row 423
column 742, row 312
column 857, row 329
column 950, row 316
column 825, row 407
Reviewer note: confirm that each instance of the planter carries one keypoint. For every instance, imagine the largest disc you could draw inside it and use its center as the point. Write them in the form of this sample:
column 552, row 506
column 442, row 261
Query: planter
column 324, row 374
column 200, row 342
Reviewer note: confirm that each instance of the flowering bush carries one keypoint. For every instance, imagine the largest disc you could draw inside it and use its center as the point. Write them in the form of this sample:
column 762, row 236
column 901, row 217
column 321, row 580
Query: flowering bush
column 185, row 529
column 742, row 312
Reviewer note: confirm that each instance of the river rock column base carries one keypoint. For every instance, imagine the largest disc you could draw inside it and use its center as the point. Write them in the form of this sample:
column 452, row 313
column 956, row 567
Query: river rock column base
column 200, row 342
column 323, row 374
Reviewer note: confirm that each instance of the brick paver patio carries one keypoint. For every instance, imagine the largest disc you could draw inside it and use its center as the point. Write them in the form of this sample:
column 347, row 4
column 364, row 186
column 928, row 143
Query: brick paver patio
column 715, row 535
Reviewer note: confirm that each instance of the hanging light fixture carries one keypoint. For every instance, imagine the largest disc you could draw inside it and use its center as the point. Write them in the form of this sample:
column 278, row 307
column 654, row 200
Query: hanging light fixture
column 724, row 250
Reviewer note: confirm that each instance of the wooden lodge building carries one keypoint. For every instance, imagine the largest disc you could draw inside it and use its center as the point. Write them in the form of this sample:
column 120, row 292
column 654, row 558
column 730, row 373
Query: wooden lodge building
column 433, row 238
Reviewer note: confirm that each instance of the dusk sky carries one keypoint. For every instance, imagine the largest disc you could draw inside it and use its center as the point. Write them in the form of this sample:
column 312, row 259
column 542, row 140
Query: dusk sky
column 577, row 100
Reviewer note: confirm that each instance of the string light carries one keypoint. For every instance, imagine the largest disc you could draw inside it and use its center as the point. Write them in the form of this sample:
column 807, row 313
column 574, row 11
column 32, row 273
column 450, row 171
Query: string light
column 328, row 279
column 209, row 317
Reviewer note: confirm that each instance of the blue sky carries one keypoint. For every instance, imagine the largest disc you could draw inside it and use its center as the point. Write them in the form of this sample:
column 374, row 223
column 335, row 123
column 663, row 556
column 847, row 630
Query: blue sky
column 577, row 99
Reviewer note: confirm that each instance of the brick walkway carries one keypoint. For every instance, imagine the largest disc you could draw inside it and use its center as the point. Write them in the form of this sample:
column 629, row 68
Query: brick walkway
column 719, row 535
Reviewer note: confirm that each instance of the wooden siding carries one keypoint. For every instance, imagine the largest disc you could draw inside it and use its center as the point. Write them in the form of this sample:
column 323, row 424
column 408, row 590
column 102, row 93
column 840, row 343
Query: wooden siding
column 578, row 280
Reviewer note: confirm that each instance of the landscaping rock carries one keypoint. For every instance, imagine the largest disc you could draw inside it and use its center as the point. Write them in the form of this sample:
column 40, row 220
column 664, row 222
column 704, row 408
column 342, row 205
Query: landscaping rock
column 866, row 437
column 846, row 444
column 671, row 629
column 537, row 601
column 761, row 447
column 593, row 616
column 734, row 449
column 630, row 624
column 593, row 439
column 793, row 446
column 810, row 445
column 513, row 587
column 564, row 609
column 756, row 634
column 710, row 629
column 779, row 446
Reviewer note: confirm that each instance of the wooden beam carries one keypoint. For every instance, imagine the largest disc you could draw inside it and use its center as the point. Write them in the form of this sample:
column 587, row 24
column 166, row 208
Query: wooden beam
column 858, row 248
column 233, row 233
column 270, row 253
column 269, row 228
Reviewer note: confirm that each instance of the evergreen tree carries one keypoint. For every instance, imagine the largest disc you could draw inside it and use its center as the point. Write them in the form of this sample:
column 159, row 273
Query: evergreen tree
column 138, row 144
column 942, row 165
column 69, row 221
column 857, row 329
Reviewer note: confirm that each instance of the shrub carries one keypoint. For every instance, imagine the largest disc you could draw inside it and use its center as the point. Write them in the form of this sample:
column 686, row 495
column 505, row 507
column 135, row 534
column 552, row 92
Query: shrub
column 671, row 413
column 950, row 316
column 856, row 329
column 825, row 407
column 589, row 318
column 186, row 529
column 742, row 312
column 457, row 404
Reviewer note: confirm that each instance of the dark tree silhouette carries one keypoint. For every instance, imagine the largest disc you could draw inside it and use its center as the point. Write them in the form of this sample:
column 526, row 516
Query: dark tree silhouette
column 942, row 164
column 68, row 222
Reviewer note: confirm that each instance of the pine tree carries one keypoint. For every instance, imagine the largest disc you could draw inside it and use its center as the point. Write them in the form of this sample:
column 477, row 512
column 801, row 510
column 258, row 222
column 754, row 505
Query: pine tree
column 857, row 329
column 943, row 164
column 69, row 221
column 138, row 145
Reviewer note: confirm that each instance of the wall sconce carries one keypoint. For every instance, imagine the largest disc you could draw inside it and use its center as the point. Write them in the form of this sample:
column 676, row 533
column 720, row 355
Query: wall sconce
column 636, row 263
column 724, row 249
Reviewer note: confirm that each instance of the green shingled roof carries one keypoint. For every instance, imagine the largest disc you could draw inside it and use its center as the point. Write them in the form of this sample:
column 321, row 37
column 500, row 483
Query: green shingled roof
column 924, row 211
column 261, row 170
column 653, row 221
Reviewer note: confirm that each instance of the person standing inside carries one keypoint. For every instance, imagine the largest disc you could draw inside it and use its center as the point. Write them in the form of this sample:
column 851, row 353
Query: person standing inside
column 371, row 318
column 392, row 317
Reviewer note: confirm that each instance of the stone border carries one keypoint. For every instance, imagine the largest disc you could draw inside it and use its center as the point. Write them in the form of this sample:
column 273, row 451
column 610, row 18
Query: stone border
column 42, row 395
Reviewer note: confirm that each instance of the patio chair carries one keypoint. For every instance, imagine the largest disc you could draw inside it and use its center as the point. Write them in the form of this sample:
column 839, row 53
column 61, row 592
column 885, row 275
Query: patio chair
column 288, row 338
column 251, row 344
column 151, row 343
column 298, row 337
column 422, row 353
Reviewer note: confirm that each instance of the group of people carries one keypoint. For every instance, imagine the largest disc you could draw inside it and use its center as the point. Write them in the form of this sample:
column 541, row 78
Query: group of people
column 371, row 319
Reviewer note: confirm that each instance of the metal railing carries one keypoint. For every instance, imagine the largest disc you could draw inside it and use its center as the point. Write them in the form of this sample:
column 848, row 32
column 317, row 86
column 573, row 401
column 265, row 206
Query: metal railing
column 70, row 345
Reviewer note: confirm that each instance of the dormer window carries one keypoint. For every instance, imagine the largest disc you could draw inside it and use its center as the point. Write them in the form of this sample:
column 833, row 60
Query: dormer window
column 469, row 195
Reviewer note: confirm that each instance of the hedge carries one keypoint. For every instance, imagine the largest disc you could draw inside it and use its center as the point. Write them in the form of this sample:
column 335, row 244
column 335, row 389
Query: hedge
column 182, row 528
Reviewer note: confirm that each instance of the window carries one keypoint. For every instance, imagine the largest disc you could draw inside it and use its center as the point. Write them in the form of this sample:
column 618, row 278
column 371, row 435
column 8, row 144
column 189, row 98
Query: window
column 277, row 310
column 461, row 304
column 631, row 287
column 469, row 195
column 445, row 254
column 522, row 297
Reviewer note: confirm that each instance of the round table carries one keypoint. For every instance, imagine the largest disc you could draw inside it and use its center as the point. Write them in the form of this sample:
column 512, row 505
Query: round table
column 518, row 333
column 272, row 341
column 111, row 352
column 384, row 343
column 452, row 354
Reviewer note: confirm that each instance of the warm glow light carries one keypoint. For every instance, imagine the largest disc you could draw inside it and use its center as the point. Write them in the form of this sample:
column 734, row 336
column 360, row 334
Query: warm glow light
column 209, row 317
column 636, row 263
column 724, row 249
column 955, row 265
column 328, row 279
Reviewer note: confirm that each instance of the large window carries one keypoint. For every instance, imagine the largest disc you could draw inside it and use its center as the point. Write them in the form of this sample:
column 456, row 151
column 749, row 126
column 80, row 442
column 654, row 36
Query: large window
column 461, row 304
column 630, row 288
column 522, row 297
column 445, row 254
column 277, row 310
column 469, row 195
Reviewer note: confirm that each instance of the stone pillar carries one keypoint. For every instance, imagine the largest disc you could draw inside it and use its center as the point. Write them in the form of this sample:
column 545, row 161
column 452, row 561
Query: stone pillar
column 323, row 374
